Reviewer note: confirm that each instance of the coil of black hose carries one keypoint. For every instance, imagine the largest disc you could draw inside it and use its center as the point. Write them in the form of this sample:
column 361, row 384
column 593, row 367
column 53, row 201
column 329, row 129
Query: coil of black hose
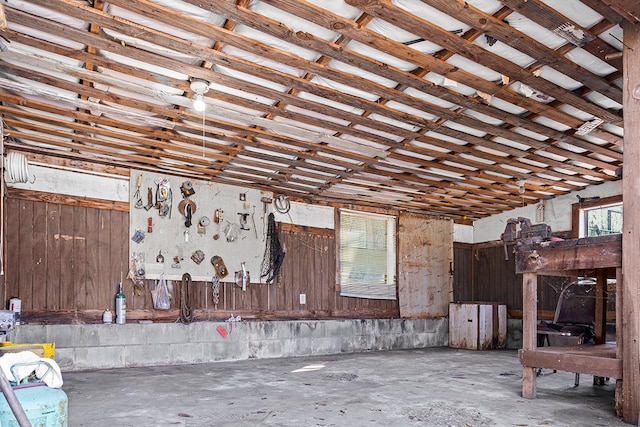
column 186, row 316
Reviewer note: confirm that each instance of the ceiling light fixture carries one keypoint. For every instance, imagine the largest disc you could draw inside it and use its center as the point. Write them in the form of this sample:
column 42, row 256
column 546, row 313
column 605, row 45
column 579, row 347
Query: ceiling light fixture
column 199, row 87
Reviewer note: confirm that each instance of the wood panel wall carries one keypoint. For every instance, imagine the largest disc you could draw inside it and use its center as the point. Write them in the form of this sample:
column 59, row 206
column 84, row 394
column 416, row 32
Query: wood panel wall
column 65, row 262
column 483, row 274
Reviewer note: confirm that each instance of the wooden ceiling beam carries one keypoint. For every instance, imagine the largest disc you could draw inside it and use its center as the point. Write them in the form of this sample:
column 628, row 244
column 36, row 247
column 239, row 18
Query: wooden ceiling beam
column 521, row 139
column 318, row 15
column 567, row 137
column 385, row 10
column 503, row 32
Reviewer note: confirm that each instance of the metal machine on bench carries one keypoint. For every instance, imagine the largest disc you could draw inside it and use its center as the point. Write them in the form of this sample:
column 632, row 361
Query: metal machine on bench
column 522, row 232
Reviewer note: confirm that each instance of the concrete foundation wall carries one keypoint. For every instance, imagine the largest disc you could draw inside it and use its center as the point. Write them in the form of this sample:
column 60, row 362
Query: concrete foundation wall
column 98, row 346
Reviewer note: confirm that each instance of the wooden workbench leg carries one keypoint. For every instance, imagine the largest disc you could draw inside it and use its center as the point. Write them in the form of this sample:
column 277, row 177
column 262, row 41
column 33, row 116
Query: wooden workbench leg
column 619, row 339
column 529, row 330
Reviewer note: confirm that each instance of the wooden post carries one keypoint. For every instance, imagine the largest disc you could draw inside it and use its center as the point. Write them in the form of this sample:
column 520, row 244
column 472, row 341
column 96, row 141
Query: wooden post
column 619, row 337
column 601, row 307
column 629, row 401
column 529, row 330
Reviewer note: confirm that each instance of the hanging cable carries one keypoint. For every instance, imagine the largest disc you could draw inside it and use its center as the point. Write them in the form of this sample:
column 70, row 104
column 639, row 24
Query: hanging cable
column 203, row 133
column 17, row 167
column 273, row 253
column 215, row 287
column 282, row 204
column 186, row 316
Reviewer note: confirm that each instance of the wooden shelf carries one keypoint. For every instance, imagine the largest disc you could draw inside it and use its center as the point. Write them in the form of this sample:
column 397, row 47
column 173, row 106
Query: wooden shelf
column 599, row 360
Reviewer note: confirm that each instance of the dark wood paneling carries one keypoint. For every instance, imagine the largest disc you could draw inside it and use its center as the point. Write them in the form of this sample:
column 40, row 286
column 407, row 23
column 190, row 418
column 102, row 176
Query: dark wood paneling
column 39, row 253
column 79, row 238
column 54, row 258
column 495, row 278
column 69, row 269
column 462, row 272
column 68, row 260
column 65, row 263
column 92, row 251
column 26, row 260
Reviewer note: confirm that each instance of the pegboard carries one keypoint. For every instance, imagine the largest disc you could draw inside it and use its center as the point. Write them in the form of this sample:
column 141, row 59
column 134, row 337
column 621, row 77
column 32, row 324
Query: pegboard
column 235, row 238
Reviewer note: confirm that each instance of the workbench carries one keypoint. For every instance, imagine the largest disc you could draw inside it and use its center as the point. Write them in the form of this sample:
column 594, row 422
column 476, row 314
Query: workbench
column 599, row 257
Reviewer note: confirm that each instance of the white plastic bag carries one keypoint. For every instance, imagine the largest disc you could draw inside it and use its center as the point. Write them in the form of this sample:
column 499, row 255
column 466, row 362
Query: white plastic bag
column 161, row 297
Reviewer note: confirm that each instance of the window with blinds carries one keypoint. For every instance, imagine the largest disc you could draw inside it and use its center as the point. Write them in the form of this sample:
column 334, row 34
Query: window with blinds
column 367, row 255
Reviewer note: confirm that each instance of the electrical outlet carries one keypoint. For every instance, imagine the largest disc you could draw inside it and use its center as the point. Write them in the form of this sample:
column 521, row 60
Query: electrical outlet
column 303, row 298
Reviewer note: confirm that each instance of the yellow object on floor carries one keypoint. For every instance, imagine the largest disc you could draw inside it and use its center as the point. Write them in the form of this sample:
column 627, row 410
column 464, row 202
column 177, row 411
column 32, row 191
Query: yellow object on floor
column 41, row 349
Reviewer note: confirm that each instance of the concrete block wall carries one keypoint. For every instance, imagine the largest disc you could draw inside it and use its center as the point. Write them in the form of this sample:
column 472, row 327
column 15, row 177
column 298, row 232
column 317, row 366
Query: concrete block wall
column 98, row 346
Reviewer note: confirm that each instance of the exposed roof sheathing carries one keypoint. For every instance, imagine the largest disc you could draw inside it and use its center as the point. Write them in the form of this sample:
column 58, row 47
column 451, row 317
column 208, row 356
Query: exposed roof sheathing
column 439, row 106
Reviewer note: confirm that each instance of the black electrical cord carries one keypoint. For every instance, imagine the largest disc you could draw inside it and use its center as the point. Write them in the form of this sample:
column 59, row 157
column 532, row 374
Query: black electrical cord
column 273, row 253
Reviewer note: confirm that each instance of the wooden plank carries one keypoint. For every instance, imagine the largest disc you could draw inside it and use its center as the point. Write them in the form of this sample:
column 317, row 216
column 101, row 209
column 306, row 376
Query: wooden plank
column 463, row 278
column 600, row 325
column 620, row 337
column 39, row 253
column 41, row 196
column 25, row 279
column 293, row 288
column 529, row 329
column 12, row 237
column 628, row 9
column 53, row 280
column 598, row 360
column 120, row 254
column 68, row 261
column 501, row 318
column 95, row 315
column 528, row 45
column 629, row 400
column 104, row 286
column 570, row 257
column 80, row 256
column 425, row 257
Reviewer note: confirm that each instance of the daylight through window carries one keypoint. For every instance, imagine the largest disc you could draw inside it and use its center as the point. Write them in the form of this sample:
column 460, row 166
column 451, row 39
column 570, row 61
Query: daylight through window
column 367, row 255
column 601, row 220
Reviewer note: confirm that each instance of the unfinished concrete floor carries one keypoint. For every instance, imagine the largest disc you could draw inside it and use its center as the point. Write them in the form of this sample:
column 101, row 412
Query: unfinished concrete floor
column 429, row 387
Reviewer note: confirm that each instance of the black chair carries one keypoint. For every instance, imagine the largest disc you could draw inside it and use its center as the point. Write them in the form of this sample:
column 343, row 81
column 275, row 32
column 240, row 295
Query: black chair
column 574, row 316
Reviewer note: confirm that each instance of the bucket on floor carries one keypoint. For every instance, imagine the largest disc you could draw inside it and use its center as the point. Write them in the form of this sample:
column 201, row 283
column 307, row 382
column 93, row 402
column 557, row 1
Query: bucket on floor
column 43, row 406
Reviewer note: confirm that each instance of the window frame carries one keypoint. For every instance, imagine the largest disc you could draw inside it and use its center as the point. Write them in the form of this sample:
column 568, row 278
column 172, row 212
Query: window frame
column 387, row 290
column 579, row 209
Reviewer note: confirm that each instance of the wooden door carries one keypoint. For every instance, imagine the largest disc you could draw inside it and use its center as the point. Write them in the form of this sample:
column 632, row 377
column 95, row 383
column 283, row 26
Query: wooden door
column 425, row 266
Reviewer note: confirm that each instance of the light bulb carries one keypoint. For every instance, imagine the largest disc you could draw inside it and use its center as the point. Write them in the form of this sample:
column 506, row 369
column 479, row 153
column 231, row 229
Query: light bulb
column 198, row 103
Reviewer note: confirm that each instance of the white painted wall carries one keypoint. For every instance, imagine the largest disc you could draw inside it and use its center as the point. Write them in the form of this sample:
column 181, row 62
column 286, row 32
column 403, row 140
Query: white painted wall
column 557, row 212
column 308, row 215
column 57, row 181
column 462, row 233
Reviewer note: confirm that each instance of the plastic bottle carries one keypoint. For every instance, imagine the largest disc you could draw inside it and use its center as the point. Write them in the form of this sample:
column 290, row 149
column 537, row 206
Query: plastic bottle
column 107, row 317
column 15, row 305
column 121, row 306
